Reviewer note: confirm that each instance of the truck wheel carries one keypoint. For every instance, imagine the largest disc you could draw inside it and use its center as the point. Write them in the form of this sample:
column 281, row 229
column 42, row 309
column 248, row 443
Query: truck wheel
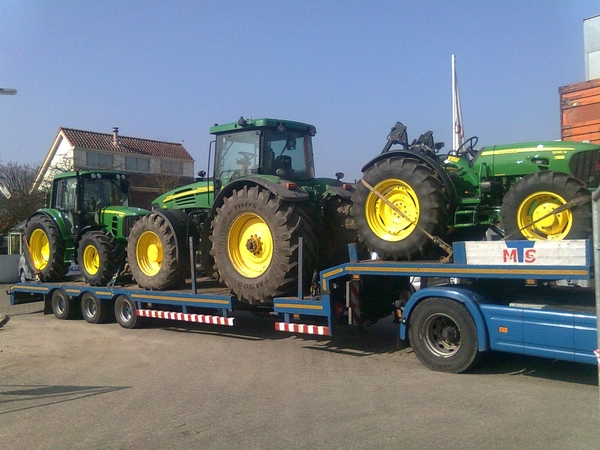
column 417, row 192
column 46, row 248
column 536, row 195
column 442, row 334
column 93, row 309
column 126, row 312
column 255, row 244
column 152, row 254
column 98, row 257
column 63, row 306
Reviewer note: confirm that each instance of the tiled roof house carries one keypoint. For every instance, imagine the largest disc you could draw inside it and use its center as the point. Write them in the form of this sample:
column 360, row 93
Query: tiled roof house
column 155, row 166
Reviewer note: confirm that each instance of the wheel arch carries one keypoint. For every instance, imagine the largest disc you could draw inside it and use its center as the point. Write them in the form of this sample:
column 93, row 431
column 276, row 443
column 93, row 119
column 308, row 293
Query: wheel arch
column 57, row 217
column 429, row 162
column 467, row 298
column 277, row 189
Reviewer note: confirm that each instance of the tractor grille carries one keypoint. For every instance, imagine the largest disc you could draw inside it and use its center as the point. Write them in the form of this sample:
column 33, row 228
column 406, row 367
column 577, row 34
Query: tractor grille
column 586, row 167
column 128, row 222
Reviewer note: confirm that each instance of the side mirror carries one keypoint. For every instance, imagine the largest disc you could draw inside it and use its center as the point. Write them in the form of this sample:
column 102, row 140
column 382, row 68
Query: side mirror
column 439, row 145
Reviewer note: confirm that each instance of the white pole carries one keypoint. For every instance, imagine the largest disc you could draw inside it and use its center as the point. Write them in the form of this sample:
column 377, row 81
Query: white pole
column 454, row 118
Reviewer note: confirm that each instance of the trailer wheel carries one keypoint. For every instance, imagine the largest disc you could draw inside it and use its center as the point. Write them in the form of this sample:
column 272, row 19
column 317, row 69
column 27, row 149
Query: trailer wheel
column 46, row 248
column 93, row 309
column 98, row 257
column 126, row 312
column 63, row 306
column 443, row 335
column 416, row 191
column 152, row 253
column 536, row 195
column 255, row 244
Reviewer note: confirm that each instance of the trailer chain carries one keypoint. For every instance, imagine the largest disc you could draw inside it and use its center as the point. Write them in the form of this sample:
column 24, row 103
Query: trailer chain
column 436, row 240
column 579, row 201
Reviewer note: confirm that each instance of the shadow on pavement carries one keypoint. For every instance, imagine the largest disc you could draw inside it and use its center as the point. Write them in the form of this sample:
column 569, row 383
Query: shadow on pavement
column 14, row 398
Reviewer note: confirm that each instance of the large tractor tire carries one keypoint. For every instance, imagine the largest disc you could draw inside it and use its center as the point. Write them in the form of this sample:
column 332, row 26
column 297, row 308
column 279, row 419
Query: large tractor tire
column 340, row 230
column 255, row 244
column 152, row 254
column 533, row 197
column 45, row 248
column 416, row 191
column 98, row 257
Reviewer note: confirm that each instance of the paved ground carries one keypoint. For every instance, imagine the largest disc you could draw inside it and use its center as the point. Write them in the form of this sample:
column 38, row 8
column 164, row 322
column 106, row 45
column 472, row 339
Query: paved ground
column 69, row 384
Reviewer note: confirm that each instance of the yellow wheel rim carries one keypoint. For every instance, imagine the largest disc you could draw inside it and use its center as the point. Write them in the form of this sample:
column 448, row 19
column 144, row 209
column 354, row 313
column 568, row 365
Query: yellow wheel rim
column 39, row 248
column 149, row 253
column 536, row 206
column 250, row 245
column 91, row 260
column 383, row 220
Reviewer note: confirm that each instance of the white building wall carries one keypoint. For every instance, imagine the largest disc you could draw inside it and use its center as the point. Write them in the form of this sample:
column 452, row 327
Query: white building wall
column 591, row 43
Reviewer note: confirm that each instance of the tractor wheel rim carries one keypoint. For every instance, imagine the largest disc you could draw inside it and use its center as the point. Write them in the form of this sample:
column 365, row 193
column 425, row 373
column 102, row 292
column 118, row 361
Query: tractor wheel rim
column 250, row 245
column 383, row 220
column 536, row 206
column 39, row 247
column 91, row 260
column 441, row 335
column 149, row 253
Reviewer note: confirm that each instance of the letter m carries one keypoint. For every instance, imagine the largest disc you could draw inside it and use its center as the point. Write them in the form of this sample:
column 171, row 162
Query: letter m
column 509, row 255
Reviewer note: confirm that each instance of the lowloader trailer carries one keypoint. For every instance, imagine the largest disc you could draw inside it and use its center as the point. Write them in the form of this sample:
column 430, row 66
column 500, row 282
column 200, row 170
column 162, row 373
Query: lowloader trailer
column 504, row 296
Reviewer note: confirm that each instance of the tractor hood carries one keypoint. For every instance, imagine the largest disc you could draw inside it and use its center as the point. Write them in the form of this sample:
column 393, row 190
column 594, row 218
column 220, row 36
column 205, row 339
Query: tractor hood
column 577, row 158
column 195, row 195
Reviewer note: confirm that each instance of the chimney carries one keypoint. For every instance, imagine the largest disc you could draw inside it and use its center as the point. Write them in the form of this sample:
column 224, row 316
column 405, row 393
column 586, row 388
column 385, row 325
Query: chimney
column 116, row 136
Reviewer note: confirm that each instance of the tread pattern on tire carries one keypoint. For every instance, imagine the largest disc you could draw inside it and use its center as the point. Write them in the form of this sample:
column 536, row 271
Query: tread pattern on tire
column 173, row 270
column 433, row 201
column 564, row 185
column 108, row 254
column 287, row 221
column 56, row 269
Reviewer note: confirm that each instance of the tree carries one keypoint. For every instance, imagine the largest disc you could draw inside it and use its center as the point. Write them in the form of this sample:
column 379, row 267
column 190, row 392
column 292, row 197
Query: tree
column 18, row 179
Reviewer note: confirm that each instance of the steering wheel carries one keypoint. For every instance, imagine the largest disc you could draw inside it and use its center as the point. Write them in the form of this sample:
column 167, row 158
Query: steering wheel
column 468, row 147
column 247, row 155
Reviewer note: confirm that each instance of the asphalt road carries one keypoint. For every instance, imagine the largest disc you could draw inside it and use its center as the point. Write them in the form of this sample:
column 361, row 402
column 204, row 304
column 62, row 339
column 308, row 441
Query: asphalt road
column 69, row 384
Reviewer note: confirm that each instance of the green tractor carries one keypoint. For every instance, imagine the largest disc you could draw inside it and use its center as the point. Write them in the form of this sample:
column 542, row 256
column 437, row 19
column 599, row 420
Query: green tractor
column 246, row 219
column 411, row 198
column 87, row 222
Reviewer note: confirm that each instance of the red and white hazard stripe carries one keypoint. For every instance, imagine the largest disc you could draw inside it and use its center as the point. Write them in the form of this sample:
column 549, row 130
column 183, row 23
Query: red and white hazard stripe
column 353, row 293
column 197, row 318
column 302, row 328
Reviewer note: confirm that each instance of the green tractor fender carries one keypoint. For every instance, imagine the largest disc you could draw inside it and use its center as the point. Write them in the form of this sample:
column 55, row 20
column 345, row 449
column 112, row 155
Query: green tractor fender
column 421, row 157
column 274, row 184
column 58, row 218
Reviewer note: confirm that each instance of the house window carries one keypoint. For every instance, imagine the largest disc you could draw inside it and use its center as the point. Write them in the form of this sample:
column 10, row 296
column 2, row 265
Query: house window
column 99, row 160
column 134, row 164
column 172, row 167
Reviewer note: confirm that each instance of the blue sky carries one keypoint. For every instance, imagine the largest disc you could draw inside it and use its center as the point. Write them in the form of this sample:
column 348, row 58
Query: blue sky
column 170, row 70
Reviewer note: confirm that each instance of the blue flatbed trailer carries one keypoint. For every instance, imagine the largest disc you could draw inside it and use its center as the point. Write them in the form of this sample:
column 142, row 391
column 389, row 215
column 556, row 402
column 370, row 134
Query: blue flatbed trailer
column 449, row 326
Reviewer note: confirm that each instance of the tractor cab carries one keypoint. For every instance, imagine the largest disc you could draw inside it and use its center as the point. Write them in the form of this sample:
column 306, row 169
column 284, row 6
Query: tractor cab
column 80, row 196
column 263, row 147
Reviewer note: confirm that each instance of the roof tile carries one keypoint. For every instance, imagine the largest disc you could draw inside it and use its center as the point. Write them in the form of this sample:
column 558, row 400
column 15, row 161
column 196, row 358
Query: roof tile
column 104, row 141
